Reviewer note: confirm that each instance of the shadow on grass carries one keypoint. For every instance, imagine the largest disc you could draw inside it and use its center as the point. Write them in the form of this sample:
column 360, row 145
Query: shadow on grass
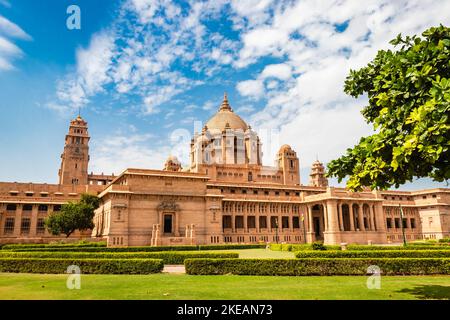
column 429, row 292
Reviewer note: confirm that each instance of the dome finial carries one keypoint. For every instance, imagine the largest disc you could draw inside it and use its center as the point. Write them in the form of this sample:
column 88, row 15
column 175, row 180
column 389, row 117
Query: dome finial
column 225, row 105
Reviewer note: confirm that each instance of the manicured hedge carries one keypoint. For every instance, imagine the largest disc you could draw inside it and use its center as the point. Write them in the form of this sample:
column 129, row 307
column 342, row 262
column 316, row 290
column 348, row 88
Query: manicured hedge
column 408, row 247
column 445, row 240
column 299, row 247
column 172, row 257
column 109, row 249
column 54, row 245
column 316, row 266
column 97, row 266
column 140, row 249
column 231, row 246
column 375, row 254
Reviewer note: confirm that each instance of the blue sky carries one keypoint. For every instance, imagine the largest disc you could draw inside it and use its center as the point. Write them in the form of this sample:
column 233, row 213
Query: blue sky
column 147, row 73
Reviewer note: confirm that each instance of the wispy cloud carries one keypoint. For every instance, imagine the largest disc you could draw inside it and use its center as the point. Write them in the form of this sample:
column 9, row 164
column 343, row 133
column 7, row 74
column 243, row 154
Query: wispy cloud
column 148, row 53
column 8, row 50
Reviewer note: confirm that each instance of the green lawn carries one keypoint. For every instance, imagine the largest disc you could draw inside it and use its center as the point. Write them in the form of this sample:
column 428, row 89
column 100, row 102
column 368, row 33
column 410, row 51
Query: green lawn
column 170, row 286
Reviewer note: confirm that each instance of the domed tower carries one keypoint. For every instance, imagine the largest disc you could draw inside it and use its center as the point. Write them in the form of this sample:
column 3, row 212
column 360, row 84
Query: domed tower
column 172, row 164
column 288, row 162
column 225, row 139
column 75, row 158
column 317, row 176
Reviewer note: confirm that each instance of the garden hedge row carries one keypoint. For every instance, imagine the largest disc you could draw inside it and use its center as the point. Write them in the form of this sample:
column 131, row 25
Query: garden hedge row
column 375, row 254
column 316, row 266
column 139, row 249
column 87, row 266
column 53, row 245
column 299, row 247
column 172, row 257
column 408, row 247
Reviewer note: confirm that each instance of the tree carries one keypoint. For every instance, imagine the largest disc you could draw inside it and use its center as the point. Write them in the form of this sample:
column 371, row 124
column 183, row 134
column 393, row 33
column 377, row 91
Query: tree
column 409, row 99
column 73, row 216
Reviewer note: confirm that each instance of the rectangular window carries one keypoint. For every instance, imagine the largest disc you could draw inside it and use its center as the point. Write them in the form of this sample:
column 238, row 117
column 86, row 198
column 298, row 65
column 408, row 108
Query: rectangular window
column 11, row 207
column 57, row 207
column 389, row 223
column 40, row 227
column 404, row 223
column 413, row 223
column 285, row 222
column 27, row 207
column 239, row 222
column 25, row 226
column 273, row 222
column 296, row 222
column 251, row 222
column 226, row 221
column 263, row 222
column 43, row 207
column 397, row 223
column 9, row 225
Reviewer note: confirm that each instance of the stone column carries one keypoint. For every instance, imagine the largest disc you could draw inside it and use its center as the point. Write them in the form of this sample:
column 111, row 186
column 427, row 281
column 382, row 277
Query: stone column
column 371, row 216
column 233, row 220
column 257, row 221
column 177, row 224
column 18, row 220
column 332, row 216
column 244, row 214
column 341, row 217
column 352, row 217
column 361, row 217
column 310, row 233
column 325, row 217
column 33, row 221
column 331, row 235
column 2, row 217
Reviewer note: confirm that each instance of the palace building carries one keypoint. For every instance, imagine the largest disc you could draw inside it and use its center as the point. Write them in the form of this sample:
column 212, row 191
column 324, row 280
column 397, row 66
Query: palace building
column 224, row 195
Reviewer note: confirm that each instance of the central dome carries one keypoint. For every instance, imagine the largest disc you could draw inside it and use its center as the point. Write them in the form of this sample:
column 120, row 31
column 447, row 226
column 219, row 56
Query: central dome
column 225, row 118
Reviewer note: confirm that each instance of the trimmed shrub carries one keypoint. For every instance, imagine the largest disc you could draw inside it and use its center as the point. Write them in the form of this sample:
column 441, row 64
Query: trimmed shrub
column 107, row 249
column 316, row 266
column 408, row 247
column 444, row 240
column 299, row 247
column 87, row 266
column 172, row 257
column 141, row 249
column 318, row 246
column 231, row 246
column 54, row 245
column 374, row 254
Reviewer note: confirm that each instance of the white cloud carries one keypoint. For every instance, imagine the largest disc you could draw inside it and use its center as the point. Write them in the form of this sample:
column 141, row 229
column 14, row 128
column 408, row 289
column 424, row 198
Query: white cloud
column 11, row 29
column 251, row 88
column 281, row 71
column 209, row 105
column 245, row 109
column 8, row 50
column 92, row 73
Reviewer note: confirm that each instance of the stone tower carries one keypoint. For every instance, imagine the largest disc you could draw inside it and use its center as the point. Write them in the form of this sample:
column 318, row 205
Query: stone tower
column 75, row 158
column 288, row 162
column 317, row 176
column 172, row 164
